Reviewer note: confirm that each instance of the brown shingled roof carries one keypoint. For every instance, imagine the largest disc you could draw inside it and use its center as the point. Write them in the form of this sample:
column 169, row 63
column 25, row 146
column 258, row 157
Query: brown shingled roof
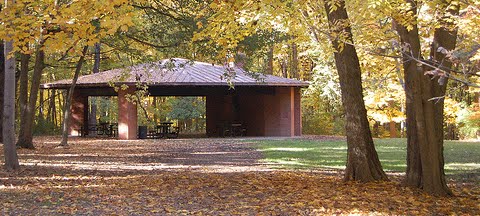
column 178, row 72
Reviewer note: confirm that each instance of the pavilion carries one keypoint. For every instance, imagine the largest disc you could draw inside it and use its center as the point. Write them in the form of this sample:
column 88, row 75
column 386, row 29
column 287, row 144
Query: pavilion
column 268, row 105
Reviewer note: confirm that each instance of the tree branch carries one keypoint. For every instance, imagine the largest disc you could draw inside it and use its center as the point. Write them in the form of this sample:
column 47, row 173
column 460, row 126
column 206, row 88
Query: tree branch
column 151, row 44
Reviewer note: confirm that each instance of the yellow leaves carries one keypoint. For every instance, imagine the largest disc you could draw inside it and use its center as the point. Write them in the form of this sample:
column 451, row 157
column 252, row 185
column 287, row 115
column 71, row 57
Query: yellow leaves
column 65, row 24
column 214, row 5
column 333, row 4
column 124, row 28
column 233, row 21
column 199, row 24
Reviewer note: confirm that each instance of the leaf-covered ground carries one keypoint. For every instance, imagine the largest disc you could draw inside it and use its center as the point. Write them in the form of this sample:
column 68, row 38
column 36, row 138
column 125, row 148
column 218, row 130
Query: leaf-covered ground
column 202, row 177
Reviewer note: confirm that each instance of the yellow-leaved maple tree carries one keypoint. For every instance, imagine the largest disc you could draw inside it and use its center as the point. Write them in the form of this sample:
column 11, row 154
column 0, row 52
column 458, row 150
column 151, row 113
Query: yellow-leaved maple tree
column 64, row 28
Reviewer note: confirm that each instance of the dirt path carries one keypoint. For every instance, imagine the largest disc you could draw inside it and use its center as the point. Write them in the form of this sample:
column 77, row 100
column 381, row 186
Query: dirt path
column 149, row 155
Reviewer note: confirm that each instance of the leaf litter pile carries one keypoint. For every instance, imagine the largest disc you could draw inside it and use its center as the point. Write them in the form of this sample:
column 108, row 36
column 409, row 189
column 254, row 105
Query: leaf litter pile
column 201, row 177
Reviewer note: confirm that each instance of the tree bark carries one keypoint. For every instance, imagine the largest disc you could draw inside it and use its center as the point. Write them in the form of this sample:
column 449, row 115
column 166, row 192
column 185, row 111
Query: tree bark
column 68, row 101
column 392, row 125
column 2, row 80
column 425, row 163
column 23, row 91
column 362, row 160
column 269, row 69
column 54, row 110
column 25, row 136
column 92, row 120
column 294, row 61
column 10, row 151
column 284, row 67
column 41, row 103
column 61, row 103
column 23, row 82
column 51, row 107
column 155, row 114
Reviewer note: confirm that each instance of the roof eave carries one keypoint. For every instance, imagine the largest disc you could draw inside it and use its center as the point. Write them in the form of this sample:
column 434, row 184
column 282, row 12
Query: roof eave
column 103, row 85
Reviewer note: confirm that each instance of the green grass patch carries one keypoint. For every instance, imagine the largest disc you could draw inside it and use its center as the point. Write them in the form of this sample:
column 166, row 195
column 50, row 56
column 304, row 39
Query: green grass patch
column 460, row 157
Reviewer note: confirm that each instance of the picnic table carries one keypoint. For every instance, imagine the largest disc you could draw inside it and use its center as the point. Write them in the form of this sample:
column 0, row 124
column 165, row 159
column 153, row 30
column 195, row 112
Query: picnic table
column 100, row 129
column 164, row 129
column 108, row 129
column 232, row 129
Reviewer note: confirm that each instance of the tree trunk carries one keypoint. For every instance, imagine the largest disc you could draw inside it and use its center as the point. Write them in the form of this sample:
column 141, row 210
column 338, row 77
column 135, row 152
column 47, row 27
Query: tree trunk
column 96, row 63
column 25, row 136
column 41, row 103
column 155, row 115
column 92, row 120
column 61, row 103
column 392, row 124
column 294, row 62
column 49, row 107
column 10, row 151
column 376, row 131
column 51, row 103
column 270, row 61
column 362, row 160
column 188, row 124
column 425, row 163
column 2, row 81
column 23, row 89
column 284, row 67
column 68, row 101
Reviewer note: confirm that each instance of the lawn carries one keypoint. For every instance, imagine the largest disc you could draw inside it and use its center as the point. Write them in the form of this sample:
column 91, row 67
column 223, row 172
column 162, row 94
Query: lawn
column 460, row 157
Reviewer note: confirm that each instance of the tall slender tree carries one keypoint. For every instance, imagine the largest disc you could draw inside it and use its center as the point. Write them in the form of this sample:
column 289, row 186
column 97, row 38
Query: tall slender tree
column 10, row 152
column 92, row 118
column 25, row 136
column 68, row 101
column 2, row 80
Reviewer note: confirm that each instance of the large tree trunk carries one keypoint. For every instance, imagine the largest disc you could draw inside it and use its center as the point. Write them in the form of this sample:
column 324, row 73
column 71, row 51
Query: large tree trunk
column 425, row 163
column 68, row 101
column 362, row 160
column 25, row 136
column 2, row 80
column 10, row 152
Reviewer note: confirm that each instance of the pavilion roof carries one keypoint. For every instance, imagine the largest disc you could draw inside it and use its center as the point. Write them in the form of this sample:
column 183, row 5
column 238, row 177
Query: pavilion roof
column 177, row 72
